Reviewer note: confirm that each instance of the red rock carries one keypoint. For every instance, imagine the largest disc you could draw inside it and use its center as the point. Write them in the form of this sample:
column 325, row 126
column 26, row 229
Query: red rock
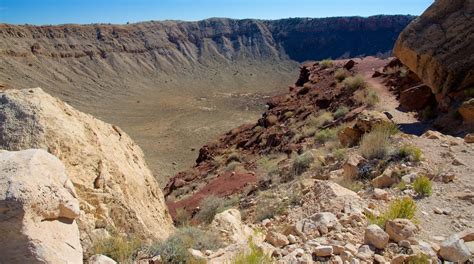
column 416, row 98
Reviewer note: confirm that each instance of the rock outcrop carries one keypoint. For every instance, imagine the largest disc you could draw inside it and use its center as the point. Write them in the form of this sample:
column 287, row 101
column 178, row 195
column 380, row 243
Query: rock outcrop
column 38, row 208
column 438, row 46
column 113, row 183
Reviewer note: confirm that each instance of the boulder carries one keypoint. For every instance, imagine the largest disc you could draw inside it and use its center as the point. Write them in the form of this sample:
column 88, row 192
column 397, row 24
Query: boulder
column 39, row 210
column 467, row 111
column 114, row 186
column 276, row 239
column 388, row 178
column 367, row 120
column 327, row 196
column 375, row 236
column 349, row 136
column 400, row 229
column 453, row 249
column 415, row 98
column 325, row 219
column 438, row 46
column 351, row 167
column 229, row 225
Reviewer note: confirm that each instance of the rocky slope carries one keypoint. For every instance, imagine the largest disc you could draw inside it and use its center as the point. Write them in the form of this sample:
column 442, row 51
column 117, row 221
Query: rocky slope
column 116, row 190
column 173, row 85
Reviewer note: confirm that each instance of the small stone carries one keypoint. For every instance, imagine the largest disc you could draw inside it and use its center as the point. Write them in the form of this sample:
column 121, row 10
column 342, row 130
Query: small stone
column 400, row 229
column 276, row 239
column 101, row 259
column 399, row 259
column 467, row 235
column 438, row 210
column 351, row 248
column 448, row 177
column 404, row 243
column 196, row 253
column 346, row 256
column 323, row 251
column 337, row 260
column 374, row 235
column 447, row 211
column 379, row 259
column 364, row 252
column 338, row 250
column 292, row 239
column 266, row 222
column 380, row 194
column 469, row 138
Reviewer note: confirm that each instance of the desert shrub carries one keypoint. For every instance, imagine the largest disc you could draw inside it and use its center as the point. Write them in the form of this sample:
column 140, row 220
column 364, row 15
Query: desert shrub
column 422, row 186
column 403, row 72
column 322, row 119
column 269, row 205
column 354, row 82
column 340, row 153
column 308, row 131
column 302, row 162
column 368, row 96
column 341, row 111
column 117, row 247
column 390, row 128
column 182, row 217
column 233, row 157
column 288, row 114
column 340, row 74
column 327, row 134
column 327, row 63
column 269, row 163
column 419, row 258
column 212, row 205
column 401, row 186
column 254, row 256
column 411, row 152
column 232, row 166
column 175, row 248
column 400, row 208
column 375, row 144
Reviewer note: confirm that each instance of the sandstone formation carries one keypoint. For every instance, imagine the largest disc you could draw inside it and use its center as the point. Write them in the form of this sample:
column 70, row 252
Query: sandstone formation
column 438, row 46
column 38, row 208
column 115, row 188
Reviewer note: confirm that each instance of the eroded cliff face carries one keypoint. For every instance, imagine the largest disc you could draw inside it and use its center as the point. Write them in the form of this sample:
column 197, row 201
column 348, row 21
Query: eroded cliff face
column 114, row 186
column 439, row 47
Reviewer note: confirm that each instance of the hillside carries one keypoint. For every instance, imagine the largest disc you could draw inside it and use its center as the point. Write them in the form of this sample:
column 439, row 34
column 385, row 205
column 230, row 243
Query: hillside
column 174, row 85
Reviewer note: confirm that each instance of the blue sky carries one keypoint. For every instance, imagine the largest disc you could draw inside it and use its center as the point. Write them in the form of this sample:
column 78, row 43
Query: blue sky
column 121, row 11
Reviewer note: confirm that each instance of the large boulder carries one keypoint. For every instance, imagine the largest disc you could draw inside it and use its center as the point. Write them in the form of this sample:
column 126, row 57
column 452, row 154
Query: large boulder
column 114, row 186
column 38, row 208
column 438, row 47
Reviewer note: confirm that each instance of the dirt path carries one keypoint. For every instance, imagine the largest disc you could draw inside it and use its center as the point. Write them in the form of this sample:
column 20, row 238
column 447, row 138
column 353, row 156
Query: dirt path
column 407, row 121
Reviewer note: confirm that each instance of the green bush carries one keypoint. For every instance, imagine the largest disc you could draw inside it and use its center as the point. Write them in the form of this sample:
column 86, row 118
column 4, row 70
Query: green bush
column 371, row 97
column 340, row 153
column 255, row 256
column 340, row 74
column 322, row 119
column 411, row 152
column 302, row 162
column 419, row 258
column 341, row 111
column 174, row 250
column 354, row 82
column 422, row 186
column 400, row 208
column 117, row 247
column 327, row 63
column 325, row 135
column 375, row 144
column 212, row 205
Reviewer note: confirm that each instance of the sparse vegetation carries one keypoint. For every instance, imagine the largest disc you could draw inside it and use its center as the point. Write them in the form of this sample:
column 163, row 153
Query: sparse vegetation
column 212, row 205
column 375, row 144
column 327, row 134
column 254, row 256
column 117, row 247
column 268, row 207
column 232, row 166
column 340, row 74
column 269, row 163
column 419, row 258
column 401, row 186
column 354, row 82
column 182, row 217
column 341, row 111
column 322, row 119
column 411, row 152
column 422, row 186
column 400, row 208
column 234, row 156
column 174, row 250
column 368, row 96
column 340, row 153
column 302, row 162
column 327, row 63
